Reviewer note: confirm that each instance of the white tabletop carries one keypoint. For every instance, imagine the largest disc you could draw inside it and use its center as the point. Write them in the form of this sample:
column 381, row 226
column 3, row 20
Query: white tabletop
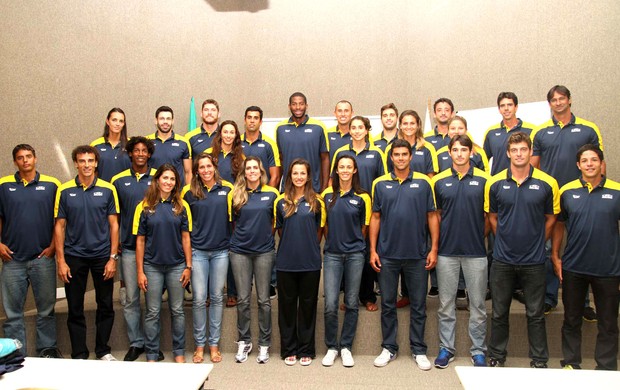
column 69, row 374
column 505, row 378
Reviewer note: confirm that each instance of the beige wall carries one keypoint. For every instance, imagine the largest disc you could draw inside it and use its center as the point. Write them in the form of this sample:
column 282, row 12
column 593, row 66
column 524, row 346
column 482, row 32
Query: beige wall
column 66, row 63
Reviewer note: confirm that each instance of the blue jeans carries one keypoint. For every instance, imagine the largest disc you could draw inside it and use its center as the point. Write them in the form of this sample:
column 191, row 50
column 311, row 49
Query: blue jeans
column 209, row 274
column 15, row 278
column 244, row 267
column 157, row 276
column 335, row 266
column 416, row 278
column 532, row 280
column 132, row 311
column 475, row 273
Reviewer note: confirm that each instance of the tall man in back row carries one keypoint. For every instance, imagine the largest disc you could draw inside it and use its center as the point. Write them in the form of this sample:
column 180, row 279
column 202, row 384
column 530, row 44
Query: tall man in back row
column 522, row 203
column 27, row 250
column 201, row 137
column 303, row 137
column 86, row 237
column 556, row 143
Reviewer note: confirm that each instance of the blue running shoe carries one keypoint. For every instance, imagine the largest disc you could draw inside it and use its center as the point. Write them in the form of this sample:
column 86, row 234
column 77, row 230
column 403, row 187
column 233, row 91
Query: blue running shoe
column 444, row 358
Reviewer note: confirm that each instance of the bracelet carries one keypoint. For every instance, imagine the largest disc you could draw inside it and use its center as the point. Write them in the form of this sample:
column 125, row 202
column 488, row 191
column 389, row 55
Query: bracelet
column 189, row 267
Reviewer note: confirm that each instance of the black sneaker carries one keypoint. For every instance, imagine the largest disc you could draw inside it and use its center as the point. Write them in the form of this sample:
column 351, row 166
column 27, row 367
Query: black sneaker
column 273, row 293
column 433, row 292
column 589, row 314
column 538, row 364
column 50, row 353
column 519, row 296
column 133, row 353
column 160, row 356
column 495, row 362
column 549, row 308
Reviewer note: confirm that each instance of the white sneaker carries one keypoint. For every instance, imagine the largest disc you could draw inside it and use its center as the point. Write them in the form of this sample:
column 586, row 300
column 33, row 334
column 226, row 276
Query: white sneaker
column 108, row 358
column 263, row 354
column 122, row 296
column 422, row 362
column 330, row 357
column 347, row 358
column 243, row 349
column 385, row 357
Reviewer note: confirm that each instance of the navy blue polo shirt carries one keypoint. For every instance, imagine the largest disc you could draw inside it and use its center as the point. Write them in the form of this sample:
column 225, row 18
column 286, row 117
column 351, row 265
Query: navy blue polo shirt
column 253, row 232
column 461, row 201
column 496, row 143
column 437, row 139
column 224, row 165
column 404, row 207
column 307, row 141
column 423, row 160
column 345, row 219
column 130, row 188
column 162, row 230
column 199, row 140
column 298, row 249
column 27, row 213
column 86, row 210
column 112, row 160
column 336, row 140
column 557, row 145
column 172, row 151
column 591, row 216
column 479, row 159
column 370, row 163
column 381, row 142
column 521, row 210
column 265, row 149
column 212, row 216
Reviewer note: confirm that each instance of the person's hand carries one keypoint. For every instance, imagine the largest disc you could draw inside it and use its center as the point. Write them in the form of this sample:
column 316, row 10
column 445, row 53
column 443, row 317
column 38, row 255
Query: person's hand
column 142, row 281
column 186, row 276
column 64, row 272
column 431, row 260
column 110, row 269
column 375, row 262
column 557, row 266
column 5, row 253
column 47, row 252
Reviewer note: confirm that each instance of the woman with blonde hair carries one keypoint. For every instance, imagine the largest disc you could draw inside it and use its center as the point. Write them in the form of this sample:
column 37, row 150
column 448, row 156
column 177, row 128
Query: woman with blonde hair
column 252, row 254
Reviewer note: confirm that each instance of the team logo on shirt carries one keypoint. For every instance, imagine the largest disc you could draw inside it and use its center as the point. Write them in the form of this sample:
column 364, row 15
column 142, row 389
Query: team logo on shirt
column 575, row 130
column 498, row 134
column 175, row 144
column 370, row 156
column 534, row 187
column 127, row 184
column 264, row 198
column 506, row 187
column 308, row 131
column 148, row 183
column 444, row 157
column 12, row 189
column 72, row 194
column 287, row 130
column 419, row 153
column 607, row 196
column 474, row 183
column 200, row 140
column 103, row 149
column 576, row 196
column 222, row 193
column 353, row 201
column 414, row 185
column 550, row 132
column 448, row 184
column 39, row 188
column 332, row 138
column 388, row 187
column 98, row 193
column 261, row 145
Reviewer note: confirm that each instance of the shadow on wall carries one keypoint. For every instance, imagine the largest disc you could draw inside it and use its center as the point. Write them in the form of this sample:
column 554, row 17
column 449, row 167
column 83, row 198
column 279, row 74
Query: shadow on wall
column 238, row 5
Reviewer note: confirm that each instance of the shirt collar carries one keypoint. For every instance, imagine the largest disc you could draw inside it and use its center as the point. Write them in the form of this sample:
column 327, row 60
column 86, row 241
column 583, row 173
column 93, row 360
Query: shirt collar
column 78, row 184
column 587, row 185
column 562, row 125
column 509, row 174
column 260, row 138
column 470, row 172
column 303, row 122
column 18, row 179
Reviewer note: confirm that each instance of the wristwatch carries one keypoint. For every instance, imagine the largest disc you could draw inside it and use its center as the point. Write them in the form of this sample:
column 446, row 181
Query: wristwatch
column 189, row 267
column 114, row 257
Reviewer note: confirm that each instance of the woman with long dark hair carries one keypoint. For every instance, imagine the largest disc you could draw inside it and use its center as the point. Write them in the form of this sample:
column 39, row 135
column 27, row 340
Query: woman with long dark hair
column 209, row 198
column 163, row 223
column 424, row 155
column 227, row 152
column 300, row 218
column 111, row 146
column 252, row 254
column 348, row 215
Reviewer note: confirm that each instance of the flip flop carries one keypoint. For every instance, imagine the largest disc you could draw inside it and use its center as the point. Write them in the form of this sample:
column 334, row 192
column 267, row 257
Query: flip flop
column 216, row 356
column 198, row 356
column 231, row 302
column 371, row 306
column 290, row 360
